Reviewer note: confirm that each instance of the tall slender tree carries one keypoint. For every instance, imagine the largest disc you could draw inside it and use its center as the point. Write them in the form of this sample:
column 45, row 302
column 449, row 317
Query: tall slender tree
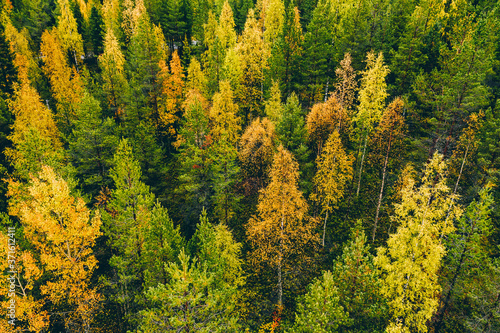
column 412, row 259
column 281, row 230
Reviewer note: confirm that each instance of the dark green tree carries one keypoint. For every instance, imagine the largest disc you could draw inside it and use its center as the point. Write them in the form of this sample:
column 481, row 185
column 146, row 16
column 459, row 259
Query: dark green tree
column 92, row 146
column 96, row 31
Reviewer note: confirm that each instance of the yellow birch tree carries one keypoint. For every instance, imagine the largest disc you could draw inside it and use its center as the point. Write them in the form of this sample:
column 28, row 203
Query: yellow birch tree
column 282, row 226
column 334, row 172
column 412, row 259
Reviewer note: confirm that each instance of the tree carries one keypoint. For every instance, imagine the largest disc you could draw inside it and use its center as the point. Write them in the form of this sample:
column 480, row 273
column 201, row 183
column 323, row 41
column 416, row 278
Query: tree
column 146, row 49
column 458, row 89
column 193, row 144
column 256, row 150
column 372, row 95
column 273, row 108
column 282, row 230
column 35, row 137
column 65, row 82
column 388, row 134
column 29, row 310
column 334, row 172
column 92, row 146
column 323, row 119
column 346, row 87
column 125, row 222
column 219, row 39
column 202, row 291
column 292, row 133
column 172, row 86
column 225, row 123
column 67, row 32
column 358, row 282
column 318, row 53
column 346, row 298
column 162, row 245
column 466, row 147
column 111, row 13
column 253, row 56
column 96, row 31
column 412, row 259
column 7, row 69
column 175, row 20
column 466, row 265
column 292, row 47
column 411, row 57
column 61, row 229
column 319, row 310
column 112, row 64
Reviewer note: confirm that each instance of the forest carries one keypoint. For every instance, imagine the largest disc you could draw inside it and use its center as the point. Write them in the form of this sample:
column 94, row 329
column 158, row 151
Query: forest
column 249, row 166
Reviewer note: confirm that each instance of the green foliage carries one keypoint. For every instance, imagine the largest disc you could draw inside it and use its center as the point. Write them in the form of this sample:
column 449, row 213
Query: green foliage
column 126, row 220
column 319, row 310
column 162, row 245
column 469, row 275
column 292, row 133
column 202, row 291
column 96, row 31
column 92, row 146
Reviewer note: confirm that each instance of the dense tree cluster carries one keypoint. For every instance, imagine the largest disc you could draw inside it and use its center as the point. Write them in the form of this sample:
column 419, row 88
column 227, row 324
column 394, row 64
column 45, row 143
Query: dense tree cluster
column 250, row 165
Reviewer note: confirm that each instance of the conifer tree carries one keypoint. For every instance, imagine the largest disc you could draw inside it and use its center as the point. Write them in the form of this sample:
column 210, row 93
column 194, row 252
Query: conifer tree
column 282, row 227
column 319, row 310
column 334, row 172
column 7, row 69
column 127, row 218
column 232, row 70
column 412, row 259
column 196, row 79
column 112, row 63
column 352, row 301
column 92, row 146
column 292, row 48
column 253, row 56
column 35, row 136
column 96, row 31
column 358, row 282
column 202, row 291
column 372, row 95
column 466, row 264
column 146, row 49
column 225, row 123
column 292, row 133
column 162, row 245
column 273, row 108
column 111, row 13
column 67, row 32
column 172, row 86
column 193, row 144
column 65, row 82
column 318, row 53
column 411, row 56
column 219, row 38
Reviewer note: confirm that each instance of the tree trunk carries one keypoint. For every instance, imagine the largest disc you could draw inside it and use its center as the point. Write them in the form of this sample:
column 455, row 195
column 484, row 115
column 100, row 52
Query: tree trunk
column 326, row 89
column 361, row 166
column 324, row 230
column 381, row 191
